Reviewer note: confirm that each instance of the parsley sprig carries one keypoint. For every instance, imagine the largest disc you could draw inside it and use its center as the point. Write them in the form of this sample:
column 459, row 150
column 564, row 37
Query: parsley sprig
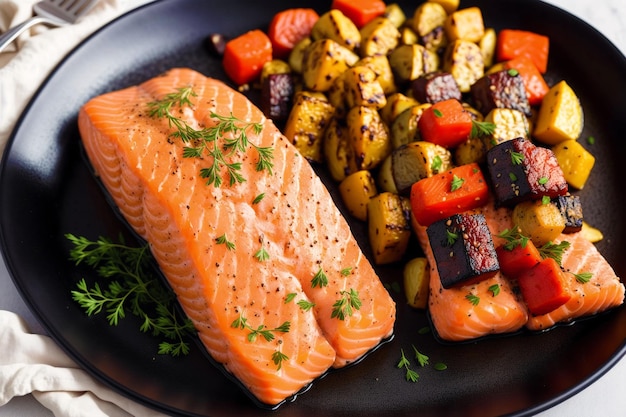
column 241, row 322
column 221, row 142
column 344, row 306
column 131, row 286
column 482, row 129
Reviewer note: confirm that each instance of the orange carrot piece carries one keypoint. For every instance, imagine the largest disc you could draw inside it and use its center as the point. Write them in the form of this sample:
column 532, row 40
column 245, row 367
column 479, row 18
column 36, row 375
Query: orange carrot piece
column 460, row 189
column 544, row 287
column 536, row 86
column 512, row 43
column 445, row 123
column 289, row 27
column 360, row 11
column 518, row 259
column 245, row 55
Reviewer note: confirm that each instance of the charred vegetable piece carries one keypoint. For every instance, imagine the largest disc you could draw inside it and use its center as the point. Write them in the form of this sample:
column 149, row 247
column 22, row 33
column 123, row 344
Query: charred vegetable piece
column 544, row 287
column 277, row 96
column 389, row 227
column 434, row 87
column 572, row 211
column 466, row 24
column 463, row 249
column 541, row 222
column 501, row 89
column 513, row 43
column 356, row 191
column 360, row 11
column 417, row 160
column 464, row 60
column 519, row 170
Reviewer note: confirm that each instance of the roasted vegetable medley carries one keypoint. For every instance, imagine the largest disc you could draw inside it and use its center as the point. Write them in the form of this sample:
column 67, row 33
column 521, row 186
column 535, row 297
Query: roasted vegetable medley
column 401, row 104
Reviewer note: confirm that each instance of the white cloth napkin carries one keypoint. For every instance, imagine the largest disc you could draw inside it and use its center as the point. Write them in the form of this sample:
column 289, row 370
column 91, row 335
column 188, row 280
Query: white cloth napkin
column 33, row 363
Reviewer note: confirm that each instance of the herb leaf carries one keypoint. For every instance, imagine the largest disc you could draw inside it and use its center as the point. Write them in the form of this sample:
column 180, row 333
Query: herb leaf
column 411, row 375
column 456, row 183
column 344, row 306
column 319, row 279
column 472, row 298
column 482, row 129
column 554, row 251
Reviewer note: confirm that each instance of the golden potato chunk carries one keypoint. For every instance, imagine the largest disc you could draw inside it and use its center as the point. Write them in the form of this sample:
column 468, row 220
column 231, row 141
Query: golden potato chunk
column 464, row 60
column 427, row 17
column 466, row 24
column 369, row 136
column 324, row 61
column 575, row 161
column 381, row 67
column 378, row 37
column 356, row 190
column 389, row 228
column 336, row 26
column 338, row 153
column 416, row 277
column 541, row 222
column 307, row 123
column 560, row 115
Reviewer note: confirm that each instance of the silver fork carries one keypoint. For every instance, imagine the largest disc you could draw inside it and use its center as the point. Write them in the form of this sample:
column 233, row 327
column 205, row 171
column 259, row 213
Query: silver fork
column 50, row 12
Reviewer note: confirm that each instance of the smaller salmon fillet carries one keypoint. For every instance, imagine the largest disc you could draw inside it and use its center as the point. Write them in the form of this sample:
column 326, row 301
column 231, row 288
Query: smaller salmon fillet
column 603, row 291
column 454, row 316
column 456, row 319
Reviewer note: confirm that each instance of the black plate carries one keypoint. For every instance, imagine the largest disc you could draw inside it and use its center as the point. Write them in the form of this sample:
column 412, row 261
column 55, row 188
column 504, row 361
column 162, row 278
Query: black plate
column 46, row 190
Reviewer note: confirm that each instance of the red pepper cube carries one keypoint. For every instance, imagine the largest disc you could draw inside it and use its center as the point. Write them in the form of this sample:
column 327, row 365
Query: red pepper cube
column 544, row 287
column 445, row 123
column 463, row 249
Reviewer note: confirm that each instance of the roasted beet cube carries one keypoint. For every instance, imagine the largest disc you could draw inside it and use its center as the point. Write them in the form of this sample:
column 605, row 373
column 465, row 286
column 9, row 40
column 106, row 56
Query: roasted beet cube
column 435, row 86
column 503, row 89
column 521, row 171
column 463, row 249
column 277, row 95
column 572, row 211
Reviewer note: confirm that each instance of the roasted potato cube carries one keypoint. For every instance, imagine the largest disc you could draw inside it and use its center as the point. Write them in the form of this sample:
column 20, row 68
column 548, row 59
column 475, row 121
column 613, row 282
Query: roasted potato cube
column 435, row 86
column 427, row 17
column 519, row 170
column 502, row 89
column 356, row 190
column 449, row 5
column 277, row 92
column 560, row 115
column 336, row 26
column 510, row 124
column 404, row 127
column 389, row 228
column 361, row 88
column 542, row 223
column 575, row 161
column 572, row 211
column 434, row 40
column 385, row 180
column 338, row 153
column 466, row 24
column 463, row 249
column 307, row 122
column 381, row 67
column 464, row 60
column 296, row 56
column 324, row 61
column 369, row 136
column 378, row 37
column 275, row 66
column 473, row 149
column 396, row 104
column 417, row 160
column 410, row 61
column 416, row 276
column 395, row 14
column 408, row 36
column 487, row 46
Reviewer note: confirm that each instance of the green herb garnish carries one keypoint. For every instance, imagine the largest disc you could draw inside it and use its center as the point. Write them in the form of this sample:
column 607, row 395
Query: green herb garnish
column 554, row 251
column 220, row 142
column 131, row 287
column 241, row 322
column 472, row 298
column 456, row 183
column 319, row 279
column 411, row 375
column 344, row 306
column 482, row 129
column 223, row 240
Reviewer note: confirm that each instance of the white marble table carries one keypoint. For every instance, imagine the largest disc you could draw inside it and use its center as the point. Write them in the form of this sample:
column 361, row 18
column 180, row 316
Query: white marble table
column 606, row 397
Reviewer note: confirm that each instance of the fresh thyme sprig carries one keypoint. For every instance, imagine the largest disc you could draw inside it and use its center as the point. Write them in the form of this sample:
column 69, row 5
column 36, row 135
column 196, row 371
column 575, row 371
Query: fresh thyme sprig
column 132, row 287
column 221, row 142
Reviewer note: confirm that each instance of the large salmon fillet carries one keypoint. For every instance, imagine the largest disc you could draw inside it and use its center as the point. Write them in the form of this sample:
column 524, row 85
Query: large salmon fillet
column 228, row 293
column 456, row 319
